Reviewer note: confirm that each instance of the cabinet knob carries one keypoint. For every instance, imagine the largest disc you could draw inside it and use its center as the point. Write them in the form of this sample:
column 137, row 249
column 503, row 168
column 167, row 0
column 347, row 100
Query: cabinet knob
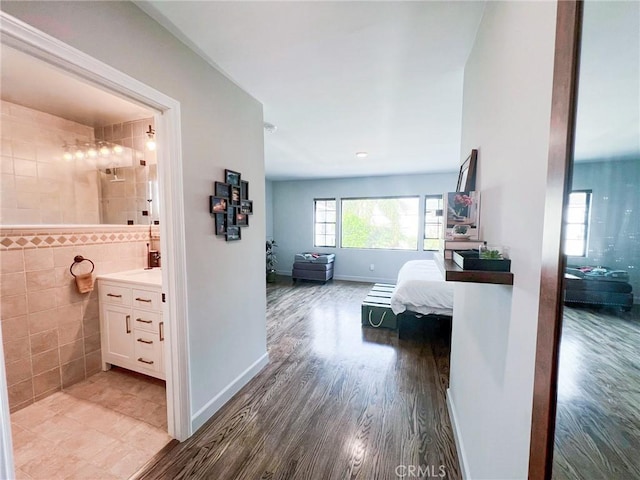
column 148, row 362
column 146, row 300
column 114, row 295
column 142, row 340
column 142, row 320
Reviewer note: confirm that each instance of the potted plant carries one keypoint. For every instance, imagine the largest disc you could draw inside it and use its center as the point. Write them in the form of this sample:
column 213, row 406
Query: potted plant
column 271, row 261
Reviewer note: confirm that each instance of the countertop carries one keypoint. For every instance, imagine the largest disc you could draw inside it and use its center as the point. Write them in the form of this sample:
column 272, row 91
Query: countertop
column 150, row 278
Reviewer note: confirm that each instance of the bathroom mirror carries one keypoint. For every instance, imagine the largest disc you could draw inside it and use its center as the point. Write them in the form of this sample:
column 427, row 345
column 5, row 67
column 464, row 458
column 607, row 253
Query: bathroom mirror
column 71, row 152
column 598, row 391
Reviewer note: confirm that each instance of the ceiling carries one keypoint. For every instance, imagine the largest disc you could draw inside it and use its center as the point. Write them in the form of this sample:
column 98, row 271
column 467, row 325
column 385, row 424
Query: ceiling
column 608, row 116
column 339, row 77
column 62, row 94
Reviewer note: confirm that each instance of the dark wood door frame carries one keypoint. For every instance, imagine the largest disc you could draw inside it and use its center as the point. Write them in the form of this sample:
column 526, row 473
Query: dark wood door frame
column 563, row 108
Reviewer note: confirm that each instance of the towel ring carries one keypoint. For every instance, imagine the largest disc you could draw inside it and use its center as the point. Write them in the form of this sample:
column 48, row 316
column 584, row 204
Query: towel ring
column 79, row 259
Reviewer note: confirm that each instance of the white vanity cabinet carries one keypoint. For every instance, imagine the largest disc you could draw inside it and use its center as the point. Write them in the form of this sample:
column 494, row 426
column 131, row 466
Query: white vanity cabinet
column 131, row 325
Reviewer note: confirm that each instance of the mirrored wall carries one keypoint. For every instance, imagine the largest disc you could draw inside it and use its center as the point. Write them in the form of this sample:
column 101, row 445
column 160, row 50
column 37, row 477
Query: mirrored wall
column 71, row 152
column 598, row 406
column 57, row 171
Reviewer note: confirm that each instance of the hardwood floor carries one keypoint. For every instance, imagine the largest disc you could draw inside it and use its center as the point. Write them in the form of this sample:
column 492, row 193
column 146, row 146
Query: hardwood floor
column 335, row 402
column 598, row 417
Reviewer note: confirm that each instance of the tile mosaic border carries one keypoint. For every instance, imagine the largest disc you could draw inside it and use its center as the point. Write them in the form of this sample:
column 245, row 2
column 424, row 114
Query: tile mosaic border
column 18, row 237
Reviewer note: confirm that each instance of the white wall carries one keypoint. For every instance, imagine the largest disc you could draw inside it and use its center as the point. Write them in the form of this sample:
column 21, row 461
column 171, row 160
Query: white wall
column 506, row 114
column 293, row 221
column 268, row 204
column 221, row 128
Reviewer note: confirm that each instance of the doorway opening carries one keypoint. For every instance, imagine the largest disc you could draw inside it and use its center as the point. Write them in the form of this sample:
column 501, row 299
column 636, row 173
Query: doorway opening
column 102, row 243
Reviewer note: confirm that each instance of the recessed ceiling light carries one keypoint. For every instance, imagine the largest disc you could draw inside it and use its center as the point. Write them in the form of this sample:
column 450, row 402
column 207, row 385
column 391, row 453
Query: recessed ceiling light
column 362, row 154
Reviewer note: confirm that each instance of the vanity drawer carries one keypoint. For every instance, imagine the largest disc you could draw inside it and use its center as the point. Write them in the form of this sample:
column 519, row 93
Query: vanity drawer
column 148, row 350
column 146, row 320
column 114, row 294
column 146, row 299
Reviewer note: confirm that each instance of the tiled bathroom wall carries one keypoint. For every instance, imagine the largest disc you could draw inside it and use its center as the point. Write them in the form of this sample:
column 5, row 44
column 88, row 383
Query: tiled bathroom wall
column 38, row 185
column 125, row 201
column 51, row 333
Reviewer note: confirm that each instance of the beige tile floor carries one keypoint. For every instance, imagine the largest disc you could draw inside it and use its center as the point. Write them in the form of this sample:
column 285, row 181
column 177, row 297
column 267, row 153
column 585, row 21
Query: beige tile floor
column 105, row 427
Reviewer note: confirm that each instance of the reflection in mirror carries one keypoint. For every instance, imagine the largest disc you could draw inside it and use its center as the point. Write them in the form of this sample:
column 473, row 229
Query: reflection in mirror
column 58, row 171
column 598, row 405
column 62, row 140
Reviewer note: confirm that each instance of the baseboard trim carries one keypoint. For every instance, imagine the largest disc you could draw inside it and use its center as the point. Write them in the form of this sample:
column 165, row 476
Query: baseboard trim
column 457, row 436
column 350, row 278
column 213, row 405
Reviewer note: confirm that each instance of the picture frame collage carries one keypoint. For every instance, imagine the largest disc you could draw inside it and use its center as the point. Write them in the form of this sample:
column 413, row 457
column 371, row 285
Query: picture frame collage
column 230, row 206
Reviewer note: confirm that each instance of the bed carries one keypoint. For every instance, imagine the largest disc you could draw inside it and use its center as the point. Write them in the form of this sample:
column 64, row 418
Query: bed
column 421, row 290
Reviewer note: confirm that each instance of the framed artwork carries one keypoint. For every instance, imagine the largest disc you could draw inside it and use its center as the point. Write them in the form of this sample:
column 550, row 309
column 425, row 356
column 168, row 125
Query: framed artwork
column 217, row 204
column 230, row 205
column 233, row 233
column 221, row 223
column 231, row 216
column 463, row 210
column 222, row 189
column 242, row 219
column 232, row 178
column 235, row 195
column 244, row 190
column 246, row 207
column 467, row 174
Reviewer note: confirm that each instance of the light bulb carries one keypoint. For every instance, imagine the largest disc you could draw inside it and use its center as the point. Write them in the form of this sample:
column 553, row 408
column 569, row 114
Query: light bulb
column 117, row 149
column 104, row 151
column 151, row 139
column 92, row 152
column 67, row 156
column 79, row 154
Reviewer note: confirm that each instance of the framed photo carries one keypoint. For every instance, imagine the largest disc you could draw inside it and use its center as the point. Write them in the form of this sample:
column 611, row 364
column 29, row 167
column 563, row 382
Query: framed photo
column 467, row 175
column 232, row 178
column 222, row 189
column 233, row 233
column 217, row 204
column 244, row 190
column 231, row 216
column 246, row 207
column 235, row 195
column 462, row 210
column 242, row 219
column 221, row 223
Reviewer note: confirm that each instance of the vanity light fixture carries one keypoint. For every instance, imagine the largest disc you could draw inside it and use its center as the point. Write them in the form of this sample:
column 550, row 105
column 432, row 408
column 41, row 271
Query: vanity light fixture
column 362, row 154
column 151, row 139
column 67, row 155
column 104, row 150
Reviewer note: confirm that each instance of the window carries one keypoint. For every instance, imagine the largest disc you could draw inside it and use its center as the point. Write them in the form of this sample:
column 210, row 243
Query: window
column 577, row 223
column 387, row 223
column 324, row 222
column 432, row 222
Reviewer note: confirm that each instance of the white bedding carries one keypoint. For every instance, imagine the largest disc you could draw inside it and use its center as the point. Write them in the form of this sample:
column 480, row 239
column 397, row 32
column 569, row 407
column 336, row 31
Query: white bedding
column 421, row 288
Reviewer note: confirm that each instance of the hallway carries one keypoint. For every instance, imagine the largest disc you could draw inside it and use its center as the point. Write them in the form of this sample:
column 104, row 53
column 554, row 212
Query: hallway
column 336, row 401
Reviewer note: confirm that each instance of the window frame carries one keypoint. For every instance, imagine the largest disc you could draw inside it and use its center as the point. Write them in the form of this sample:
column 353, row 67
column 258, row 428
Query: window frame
column 383, row 197
column 316, row 223
column 440, row 222
column 586, row 222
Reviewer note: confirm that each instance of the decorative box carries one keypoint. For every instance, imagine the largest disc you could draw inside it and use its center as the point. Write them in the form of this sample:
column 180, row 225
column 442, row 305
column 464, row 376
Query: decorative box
column 470, row 260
